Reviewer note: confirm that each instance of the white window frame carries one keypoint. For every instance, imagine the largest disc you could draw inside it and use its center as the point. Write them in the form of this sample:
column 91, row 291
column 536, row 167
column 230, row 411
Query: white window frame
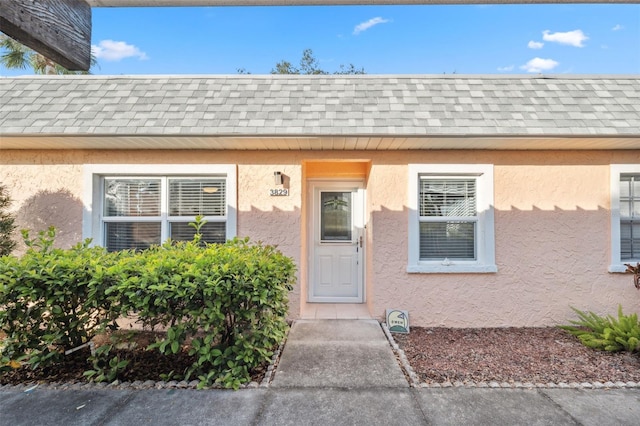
column 617, row 264
column 485, row 230
column 93, row 193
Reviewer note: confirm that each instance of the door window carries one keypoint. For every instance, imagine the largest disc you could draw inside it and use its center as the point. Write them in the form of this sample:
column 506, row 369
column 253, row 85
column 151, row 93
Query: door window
column 335, row 216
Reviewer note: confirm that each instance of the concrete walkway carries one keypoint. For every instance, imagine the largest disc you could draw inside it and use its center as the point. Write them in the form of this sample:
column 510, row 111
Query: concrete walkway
column 330, row 373
column 338, row 353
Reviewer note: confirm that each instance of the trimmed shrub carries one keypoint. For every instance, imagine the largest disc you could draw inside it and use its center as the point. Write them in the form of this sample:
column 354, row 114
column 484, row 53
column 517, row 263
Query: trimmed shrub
column 7, row 224
column 227, row 302
column 52, row 300
column 606, row 333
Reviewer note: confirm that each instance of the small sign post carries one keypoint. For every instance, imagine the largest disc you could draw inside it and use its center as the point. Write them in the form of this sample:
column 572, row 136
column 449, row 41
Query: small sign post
column 398, row 321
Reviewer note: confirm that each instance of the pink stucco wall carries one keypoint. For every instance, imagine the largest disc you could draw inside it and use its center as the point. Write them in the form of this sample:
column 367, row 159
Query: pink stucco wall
column 47, row 188
column 551, row 218
column 552, row 228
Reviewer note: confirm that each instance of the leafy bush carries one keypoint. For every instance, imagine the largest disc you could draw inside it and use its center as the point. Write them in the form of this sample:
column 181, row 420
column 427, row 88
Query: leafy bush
column 52, row 300
column 7, row 224
column 606, row 333
column 228, row 302
column 224, row 303
column 105, row 366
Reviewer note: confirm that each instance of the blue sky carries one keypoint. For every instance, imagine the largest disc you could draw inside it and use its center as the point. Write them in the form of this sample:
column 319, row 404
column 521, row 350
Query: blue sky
column 495, row 39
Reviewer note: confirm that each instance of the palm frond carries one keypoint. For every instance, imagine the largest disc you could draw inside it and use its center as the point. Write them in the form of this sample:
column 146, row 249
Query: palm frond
column 18, row 56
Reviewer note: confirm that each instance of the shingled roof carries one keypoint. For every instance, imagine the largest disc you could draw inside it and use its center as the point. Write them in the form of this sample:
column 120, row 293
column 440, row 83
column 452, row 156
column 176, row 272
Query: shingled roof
column 321, row 106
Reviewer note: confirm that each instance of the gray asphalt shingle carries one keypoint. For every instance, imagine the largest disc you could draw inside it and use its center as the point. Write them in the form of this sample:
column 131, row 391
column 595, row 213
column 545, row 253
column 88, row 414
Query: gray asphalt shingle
column 246, row 105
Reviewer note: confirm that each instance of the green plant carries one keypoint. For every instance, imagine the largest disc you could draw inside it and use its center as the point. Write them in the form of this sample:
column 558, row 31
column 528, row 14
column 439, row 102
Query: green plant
column 53, row 300
column 226, row 302
column 105, row 368
column 606, row 333
column 7, row 224
column 8, row 359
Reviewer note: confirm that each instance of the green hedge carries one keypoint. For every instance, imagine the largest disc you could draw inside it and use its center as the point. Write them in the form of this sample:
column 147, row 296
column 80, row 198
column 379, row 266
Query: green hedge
column 226, row 302
column 52, row 300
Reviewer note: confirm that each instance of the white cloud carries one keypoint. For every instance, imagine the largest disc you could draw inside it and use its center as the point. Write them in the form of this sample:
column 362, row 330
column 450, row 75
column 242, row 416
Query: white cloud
column 572, row 38
column 539, row 65
column 368, row 24
column 618, row 27
column 535, row 44
column 506, row 69
column 110, row 50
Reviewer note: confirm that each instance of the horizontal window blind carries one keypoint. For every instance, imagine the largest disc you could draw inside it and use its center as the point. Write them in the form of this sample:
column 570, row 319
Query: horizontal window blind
column 212, row 232
column 447, row 197
column 445, row 204
column 132, row 197
column 447, row 240
column 142, row 211
column 131, row 235
column 629, row 216
column 193, row 197
column 630, row 240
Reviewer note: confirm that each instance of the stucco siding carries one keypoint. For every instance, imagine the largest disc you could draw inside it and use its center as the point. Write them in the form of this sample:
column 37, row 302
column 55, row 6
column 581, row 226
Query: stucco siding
column 552, row 225
column 552, row 228
column 45, row 192
column 272, row 220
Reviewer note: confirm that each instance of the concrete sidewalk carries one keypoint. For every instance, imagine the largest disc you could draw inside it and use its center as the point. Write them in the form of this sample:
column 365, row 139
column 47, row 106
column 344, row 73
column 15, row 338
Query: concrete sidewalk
column 338, row 353
column 336, row 373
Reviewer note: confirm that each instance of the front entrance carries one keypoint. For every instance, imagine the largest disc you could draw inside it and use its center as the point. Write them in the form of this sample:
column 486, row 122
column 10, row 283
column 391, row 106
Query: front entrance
column 336, row 242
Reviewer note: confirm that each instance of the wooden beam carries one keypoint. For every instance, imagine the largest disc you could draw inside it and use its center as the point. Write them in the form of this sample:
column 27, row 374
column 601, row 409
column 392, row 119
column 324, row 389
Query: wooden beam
column 57, row 29
column 125, row 3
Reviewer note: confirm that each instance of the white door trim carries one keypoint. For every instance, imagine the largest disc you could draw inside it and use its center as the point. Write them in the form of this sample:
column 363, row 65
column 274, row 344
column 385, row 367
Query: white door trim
column 314, row 188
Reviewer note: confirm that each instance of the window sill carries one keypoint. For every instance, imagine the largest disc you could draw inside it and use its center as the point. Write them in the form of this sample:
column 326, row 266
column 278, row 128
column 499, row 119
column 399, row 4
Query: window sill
column 619, row 268
column 452, row 269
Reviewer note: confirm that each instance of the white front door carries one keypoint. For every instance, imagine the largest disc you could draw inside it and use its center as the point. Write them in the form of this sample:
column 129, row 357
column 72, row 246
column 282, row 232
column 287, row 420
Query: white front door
column 336, row 242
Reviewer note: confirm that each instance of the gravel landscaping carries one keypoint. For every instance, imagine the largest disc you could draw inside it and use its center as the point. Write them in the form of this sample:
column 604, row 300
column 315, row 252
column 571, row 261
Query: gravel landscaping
column 512, row 356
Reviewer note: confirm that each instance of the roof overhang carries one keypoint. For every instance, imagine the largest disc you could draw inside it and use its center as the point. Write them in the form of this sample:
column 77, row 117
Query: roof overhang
column 334, row 143
column 155, row 3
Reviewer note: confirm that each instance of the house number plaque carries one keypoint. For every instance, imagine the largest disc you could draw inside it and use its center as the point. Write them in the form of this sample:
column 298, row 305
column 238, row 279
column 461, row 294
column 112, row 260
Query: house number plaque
column 279, row 192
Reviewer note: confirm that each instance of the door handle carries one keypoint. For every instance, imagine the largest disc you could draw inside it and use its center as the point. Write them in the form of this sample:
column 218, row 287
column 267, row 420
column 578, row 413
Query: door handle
column 360, row 241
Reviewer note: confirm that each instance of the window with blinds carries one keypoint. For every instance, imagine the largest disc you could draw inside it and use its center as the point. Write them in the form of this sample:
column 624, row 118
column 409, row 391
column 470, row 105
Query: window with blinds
column 193, row 197
column 629, row 216
column 131, row 235
column 132, row 197
column 448, row 218
column 197, row 197
column 140, row 212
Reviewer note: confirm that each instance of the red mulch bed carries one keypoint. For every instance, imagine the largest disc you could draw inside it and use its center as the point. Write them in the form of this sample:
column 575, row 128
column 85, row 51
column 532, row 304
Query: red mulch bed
column 533, row 355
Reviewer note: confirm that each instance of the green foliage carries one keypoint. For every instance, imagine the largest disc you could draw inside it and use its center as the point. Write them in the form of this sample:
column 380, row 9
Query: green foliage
column 606, row 333
column 228, row 301
column 309, row 65
column 7, row 224
column 105, row 368
column 18, row 56
column 53, row 300
column 225, row 304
